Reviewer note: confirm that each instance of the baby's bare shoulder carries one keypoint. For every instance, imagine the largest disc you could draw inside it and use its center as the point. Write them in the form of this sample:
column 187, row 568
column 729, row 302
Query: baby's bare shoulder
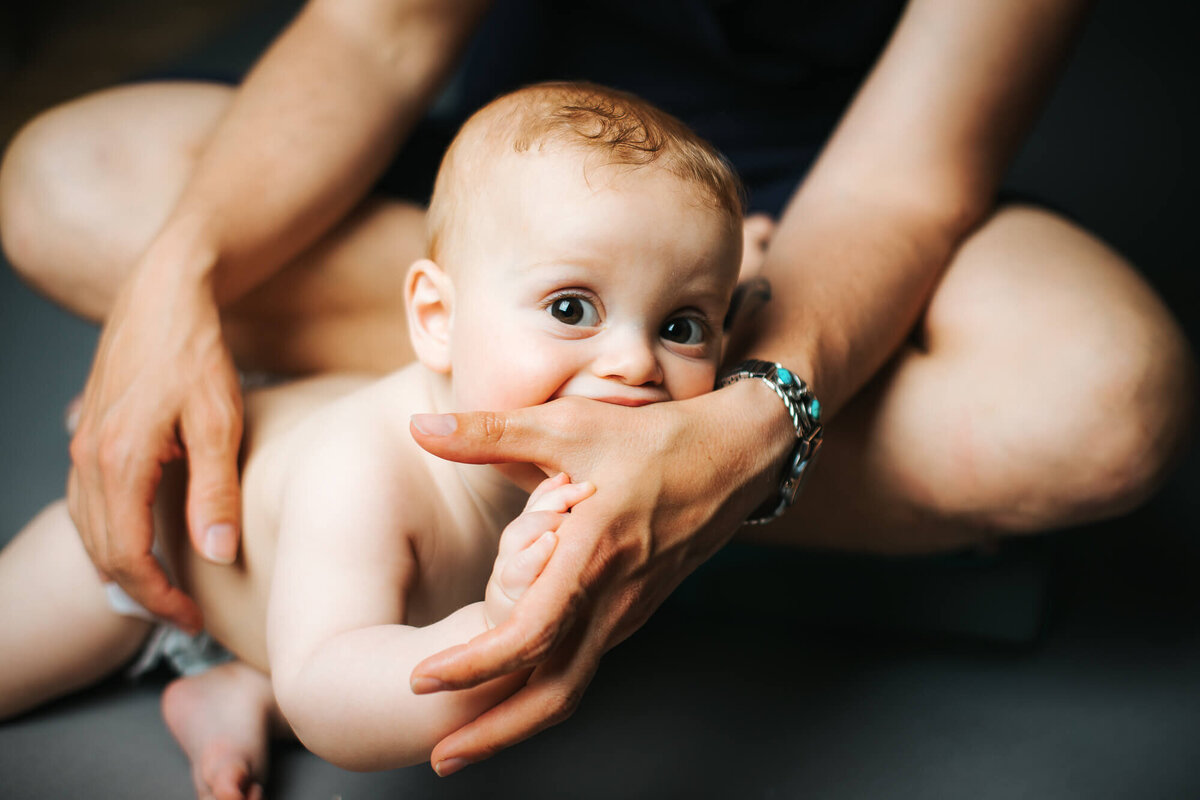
column 352, row 457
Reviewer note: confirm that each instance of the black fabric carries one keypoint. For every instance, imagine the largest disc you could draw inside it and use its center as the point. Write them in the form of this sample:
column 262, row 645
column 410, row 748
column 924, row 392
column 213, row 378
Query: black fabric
column 763, row 80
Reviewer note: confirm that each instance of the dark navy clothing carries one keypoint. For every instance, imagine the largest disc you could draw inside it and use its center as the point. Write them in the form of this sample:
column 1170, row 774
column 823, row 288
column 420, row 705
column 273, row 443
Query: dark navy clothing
column 763, row 80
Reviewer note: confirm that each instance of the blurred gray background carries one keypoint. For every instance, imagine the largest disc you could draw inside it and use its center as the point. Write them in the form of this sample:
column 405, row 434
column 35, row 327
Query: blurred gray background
column 1064, row 667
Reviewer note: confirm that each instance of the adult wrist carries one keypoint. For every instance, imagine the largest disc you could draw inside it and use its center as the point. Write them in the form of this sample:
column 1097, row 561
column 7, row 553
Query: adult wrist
column 183, row 252
column 803, row 412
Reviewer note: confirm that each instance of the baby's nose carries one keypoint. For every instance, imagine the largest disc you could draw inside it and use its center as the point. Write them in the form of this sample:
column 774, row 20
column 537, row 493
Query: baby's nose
column 631, row 359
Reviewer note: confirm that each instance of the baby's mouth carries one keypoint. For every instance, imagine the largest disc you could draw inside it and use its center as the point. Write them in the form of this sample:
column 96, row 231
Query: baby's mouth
column 632, row 402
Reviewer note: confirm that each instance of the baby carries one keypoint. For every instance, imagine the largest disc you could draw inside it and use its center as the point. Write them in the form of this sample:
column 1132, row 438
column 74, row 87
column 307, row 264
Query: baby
column 581, row 243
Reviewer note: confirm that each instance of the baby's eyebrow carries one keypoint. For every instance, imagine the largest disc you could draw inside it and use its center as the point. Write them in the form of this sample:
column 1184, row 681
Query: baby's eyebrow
column 574, row 262
column 701, row 298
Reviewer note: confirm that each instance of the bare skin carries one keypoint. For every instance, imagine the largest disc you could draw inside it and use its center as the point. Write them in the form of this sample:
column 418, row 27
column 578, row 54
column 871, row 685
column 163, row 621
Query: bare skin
column 926, row 320
column 224, row 719
column 338, row 308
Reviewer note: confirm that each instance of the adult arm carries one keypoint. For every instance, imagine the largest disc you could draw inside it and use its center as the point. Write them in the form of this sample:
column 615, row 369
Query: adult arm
column 912, row 167
column 307, row 133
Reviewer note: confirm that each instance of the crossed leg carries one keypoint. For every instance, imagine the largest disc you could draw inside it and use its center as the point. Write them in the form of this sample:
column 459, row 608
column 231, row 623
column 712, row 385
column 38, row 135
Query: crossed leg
column 1046, row 384
column 85, row 186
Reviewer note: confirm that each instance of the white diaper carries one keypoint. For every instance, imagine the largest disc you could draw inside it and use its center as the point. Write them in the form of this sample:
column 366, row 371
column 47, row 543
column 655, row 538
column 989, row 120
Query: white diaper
column 181, row 651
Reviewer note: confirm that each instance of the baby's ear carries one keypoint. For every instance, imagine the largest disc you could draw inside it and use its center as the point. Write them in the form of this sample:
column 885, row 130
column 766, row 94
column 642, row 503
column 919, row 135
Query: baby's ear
column 429, row 304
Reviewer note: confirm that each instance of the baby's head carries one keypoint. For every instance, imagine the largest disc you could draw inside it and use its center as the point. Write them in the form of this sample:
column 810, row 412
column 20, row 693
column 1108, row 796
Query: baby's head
column 582, row 242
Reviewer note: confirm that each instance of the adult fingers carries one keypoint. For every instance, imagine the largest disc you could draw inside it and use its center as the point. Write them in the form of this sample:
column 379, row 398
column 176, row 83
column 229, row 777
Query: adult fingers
column 550, row 697
column 129, row 558
column 77, row 507
column 85, row 496
column 212, row 433
column 143, row 579
column 544, row 616
column 538, row 623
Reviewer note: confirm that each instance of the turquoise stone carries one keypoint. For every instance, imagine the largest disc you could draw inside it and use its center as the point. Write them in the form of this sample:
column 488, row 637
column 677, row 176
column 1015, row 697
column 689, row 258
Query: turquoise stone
column 785, row 377
column 814, row 409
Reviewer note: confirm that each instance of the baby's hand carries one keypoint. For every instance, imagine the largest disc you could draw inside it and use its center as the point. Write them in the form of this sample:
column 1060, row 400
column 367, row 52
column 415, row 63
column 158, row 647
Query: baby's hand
column 527, row 544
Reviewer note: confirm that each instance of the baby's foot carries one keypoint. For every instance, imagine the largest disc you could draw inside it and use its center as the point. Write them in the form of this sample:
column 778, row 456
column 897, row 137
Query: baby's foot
column 223, row 720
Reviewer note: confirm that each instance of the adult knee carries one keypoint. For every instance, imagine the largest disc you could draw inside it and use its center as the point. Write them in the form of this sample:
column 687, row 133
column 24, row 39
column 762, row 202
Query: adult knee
column 1146, row 400
column 43, row 177
column 1116, row 428
column 84, row 186
column 17, row 174
column 1084, row 385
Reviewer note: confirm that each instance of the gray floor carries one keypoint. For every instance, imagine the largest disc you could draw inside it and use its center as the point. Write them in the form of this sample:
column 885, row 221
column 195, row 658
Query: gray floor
column 1068, row 668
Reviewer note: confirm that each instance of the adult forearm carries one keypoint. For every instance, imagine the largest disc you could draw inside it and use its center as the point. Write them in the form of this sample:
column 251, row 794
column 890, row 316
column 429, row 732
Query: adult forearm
column 911, row 169
column 307, row 133
column 846, row 291
column 350, row 701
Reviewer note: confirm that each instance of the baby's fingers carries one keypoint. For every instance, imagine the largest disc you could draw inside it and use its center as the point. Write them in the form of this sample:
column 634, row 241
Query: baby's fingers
column 525, row 530
column 522, row 569
column 544, row 512
column 560, row 498
column 548, row 485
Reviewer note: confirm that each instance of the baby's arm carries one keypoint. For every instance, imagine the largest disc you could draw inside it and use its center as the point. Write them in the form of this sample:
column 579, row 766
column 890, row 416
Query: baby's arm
column 340, row 659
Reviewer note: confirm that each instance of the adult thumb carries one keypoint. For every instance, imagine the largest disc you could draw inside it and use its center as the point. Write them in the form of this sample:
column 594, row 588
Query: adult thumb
column 488, row 437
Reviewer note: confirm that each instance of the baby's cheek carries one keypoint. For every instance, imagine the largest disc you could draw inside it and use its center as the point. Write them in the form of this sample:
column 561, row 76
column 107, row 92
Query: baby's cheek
column 693, row 382
column 518, row 379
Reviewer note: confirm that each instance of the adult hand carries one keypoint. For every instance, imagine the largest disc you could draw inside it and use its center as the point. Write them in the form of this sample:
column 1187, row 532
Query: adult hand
column 162, row 385
column 673, row 481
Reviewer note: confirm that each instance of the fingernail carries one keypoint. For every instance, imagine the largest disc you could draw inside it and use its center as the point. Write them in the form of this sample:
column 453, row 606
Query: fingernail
column 426, row 685
column 220, row 544
column 435, row 424
column 449, row 766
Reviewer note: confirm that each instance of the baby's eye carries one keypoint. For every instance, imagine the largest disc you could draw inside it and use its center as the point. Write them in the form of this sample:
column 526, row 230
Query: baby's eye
column 574, row 311
column 683, row 330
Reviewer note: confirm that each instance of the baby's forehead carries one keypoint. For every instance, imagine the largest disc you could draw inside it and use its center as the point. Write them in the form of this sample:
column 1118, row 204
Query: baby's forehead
column 497, row 141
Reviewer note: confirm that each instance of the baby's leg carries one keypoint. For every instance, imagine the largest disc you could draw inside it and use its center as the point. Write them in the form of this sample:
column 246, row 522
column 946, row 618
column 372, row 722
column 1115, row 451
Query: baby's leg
column 57, row 632
column 224, row 719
